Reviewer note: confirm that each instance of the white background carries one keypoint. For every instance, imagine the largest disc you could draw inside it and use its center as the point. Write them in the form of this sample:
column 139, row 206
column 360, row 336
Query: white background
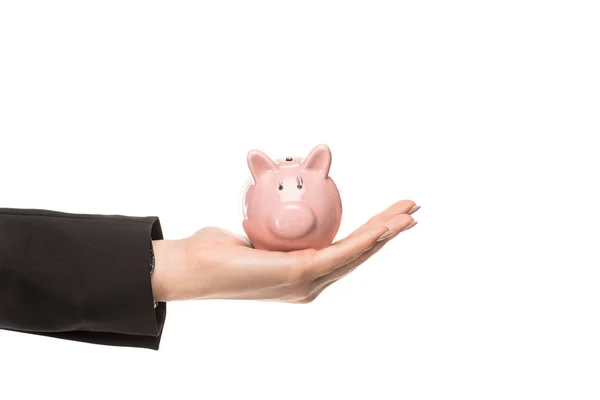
column 487, row 114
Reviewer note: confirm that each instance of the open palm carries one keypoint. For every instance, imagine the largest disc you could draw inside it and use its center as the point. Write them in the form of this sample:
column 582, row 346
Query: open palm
column 217, row 264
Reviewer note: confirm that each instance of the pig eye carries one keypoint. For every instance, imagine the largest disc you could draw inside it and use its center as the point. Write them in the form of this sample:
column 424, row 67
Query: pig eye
column 299, row 182
column 280, row 186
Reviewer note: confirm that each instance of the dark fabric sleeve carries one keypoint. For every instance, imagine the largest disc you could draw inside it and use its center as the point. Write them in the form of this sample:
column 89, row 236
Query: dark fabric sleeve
column 79, row 277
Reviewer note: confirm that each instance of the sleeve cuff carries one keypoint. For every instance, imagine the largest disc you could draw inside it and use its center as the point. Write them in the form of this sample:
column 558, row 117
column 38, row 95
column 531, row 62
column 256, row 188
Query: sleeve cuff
column 82, row 277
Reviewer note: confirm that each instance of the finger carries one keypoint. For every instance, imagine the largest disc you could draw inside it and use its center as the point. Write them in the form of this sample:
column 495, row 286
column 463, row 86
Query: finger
column 329, row 259
column 401, row 207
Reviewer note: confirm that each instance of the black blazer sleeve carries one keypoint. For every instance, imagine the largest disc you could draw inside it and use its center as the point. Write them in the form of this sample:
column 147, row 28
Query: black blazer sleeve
column 79, row 277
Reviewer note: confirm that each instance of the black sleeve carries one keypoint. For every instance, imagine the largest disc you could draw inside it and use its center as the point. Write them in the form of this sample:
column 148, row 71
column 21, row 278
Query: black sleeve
column 79, row 277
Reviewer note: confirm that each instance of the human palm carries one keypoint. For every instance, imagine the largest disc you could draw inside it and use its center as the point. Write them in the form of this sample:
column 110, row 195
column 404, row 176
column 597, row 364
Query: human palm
column 215, row 263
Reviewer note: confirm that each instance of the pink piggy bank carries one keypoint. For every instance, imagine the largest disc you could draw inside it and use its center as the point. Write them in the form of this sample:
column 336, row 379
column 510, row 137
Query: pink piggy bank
column 292, row 203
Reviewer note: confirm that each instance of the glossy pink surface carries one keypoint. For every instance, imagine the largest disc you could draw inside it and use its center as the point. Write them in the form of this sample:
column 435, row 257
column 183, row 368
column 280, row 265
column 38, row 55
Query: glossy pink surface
column 292, row 203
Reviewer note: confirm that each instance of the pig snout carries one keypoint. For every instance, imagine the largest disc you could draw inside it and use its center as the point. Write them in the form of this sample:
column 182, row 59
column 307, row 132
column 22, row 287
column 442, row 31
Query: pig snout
column 292, row 221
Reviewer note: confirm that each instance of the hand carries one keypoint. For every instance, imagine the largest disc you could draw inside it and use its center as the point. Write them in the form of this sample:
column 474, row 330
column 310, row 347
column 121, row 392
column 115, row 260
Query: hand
column 217, row 264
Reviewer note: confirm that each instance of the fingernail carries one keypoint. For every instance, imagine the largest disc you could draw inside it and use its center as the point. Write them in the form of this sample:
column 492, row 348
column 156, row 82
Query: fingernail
column 413, row 210
column 385, row 236
column 409, row 226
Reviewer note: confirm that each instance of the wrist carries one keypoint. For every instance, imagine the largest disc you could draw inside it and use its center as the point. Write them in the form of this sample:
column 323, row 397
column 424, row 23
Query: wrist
column 169, row 259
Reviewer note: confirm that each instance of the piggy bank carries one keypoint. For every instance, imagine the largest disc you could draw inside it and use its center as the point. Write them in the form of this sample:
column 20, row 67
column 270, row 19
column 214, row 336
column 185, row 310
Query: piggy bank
column 291, row 203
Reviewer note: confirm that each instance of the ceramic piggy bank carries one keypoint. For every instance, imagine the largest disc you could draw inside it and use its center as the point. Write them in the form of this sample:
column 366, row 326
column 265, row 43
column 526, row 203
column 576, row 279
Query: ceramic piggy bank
column 291, row 203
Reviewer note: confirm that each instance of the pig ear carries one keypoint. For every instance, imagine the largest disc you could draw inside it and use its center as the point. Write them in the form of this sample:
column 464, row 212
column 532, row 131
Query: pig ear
column 259, row 163
column 319, row 159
